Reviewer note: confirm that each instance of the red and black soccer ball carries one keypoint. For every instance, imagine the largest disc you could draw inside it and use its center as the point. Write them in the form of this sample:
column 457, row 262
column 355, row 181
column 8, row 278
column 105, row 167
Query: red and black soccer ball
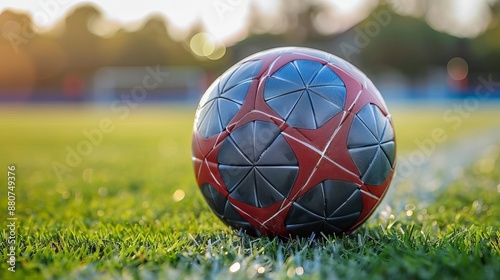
column 291, row 142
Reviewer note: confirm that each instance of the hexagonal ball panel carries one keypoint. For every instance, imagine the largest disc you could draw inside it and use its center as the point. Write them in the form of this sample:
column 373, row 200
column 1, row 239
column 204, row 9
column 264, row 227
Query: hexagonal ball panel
column 371, row 144
column 224, row 99
column 257, row 165
column 305, row 93
column 332, row 206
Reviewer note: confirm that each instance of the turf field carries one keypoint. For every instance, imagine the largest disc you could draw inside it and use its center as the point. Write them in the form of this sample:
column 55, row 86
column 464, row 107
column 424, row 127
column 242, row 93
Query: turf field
column 128, row 207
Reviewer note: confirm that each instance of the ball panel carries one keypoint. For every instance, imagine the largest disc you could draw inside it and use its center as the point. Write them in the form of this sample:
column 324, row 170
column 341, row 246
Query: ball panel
column 267, row 193
column 226, row 109
column 245, row 72
column 246, row 190
column 225, row 210
column 285, row 103
column 307, row 70
column 379, row 169
column 341, row 198
column 233, row 175
column 302, row 114
column 234, row 219
column 388, row 133
column 237, row 93
column 389, row 149
column 253, row 139
column 331, row 206
column 225, row 98
column 326, row 77
column 306, row 94
column 277, row 154
column 360, row 135
column 257, row 165
column 281, row 178
column 231, row 153
column 215, row 200
column 264, row 136
column 209, row 122
column 344, row 223
column 286, row 76
column 363, row 157
column 331, row 94
column 371, row 144
column 368, row 118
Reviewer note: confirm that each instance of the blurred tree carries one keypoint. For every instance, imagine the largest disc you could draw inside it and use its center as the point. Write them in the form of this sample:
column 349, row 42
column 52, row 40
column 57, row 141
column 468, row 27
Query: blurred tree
column 17, row 70
column 65, row 61
column 79, row 42
column 145, row 46
column 406, row 44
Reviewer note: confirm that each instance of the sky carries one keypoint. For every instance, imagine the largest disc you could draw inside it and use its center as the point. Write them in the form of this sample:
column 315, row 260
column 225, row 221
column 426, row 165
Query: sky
column 227, row 20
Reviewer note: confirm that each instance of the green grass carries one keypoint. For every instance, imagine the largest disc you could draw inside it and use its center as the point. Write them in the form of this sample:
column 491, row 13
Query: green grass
column 115, row 214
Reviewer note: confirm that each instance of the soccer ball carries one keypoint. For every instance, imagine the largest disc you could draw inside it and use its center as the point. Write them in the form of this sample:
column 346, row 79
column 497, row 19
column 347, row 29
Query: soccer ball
column 293, row 142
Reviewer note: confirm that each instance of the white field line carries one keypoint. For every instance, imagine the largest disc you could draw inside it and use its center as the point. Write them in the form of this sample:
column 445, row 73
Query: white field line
column 426, row 181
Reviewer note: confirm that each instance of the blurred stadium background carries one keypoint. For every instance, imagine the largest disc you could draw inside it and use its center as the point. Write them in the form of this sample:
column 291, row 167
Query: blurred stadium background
column 93, row 51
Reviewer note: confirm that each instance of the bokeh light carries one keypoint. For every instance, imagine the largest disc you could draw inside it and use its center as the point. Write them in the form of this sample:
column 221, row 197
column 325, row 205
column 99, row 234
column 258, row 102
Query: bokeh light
column 235, row 267
column 338, row 16
column 461, row 18
column 458, row 69
column 179, row 195
column 205, row 45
